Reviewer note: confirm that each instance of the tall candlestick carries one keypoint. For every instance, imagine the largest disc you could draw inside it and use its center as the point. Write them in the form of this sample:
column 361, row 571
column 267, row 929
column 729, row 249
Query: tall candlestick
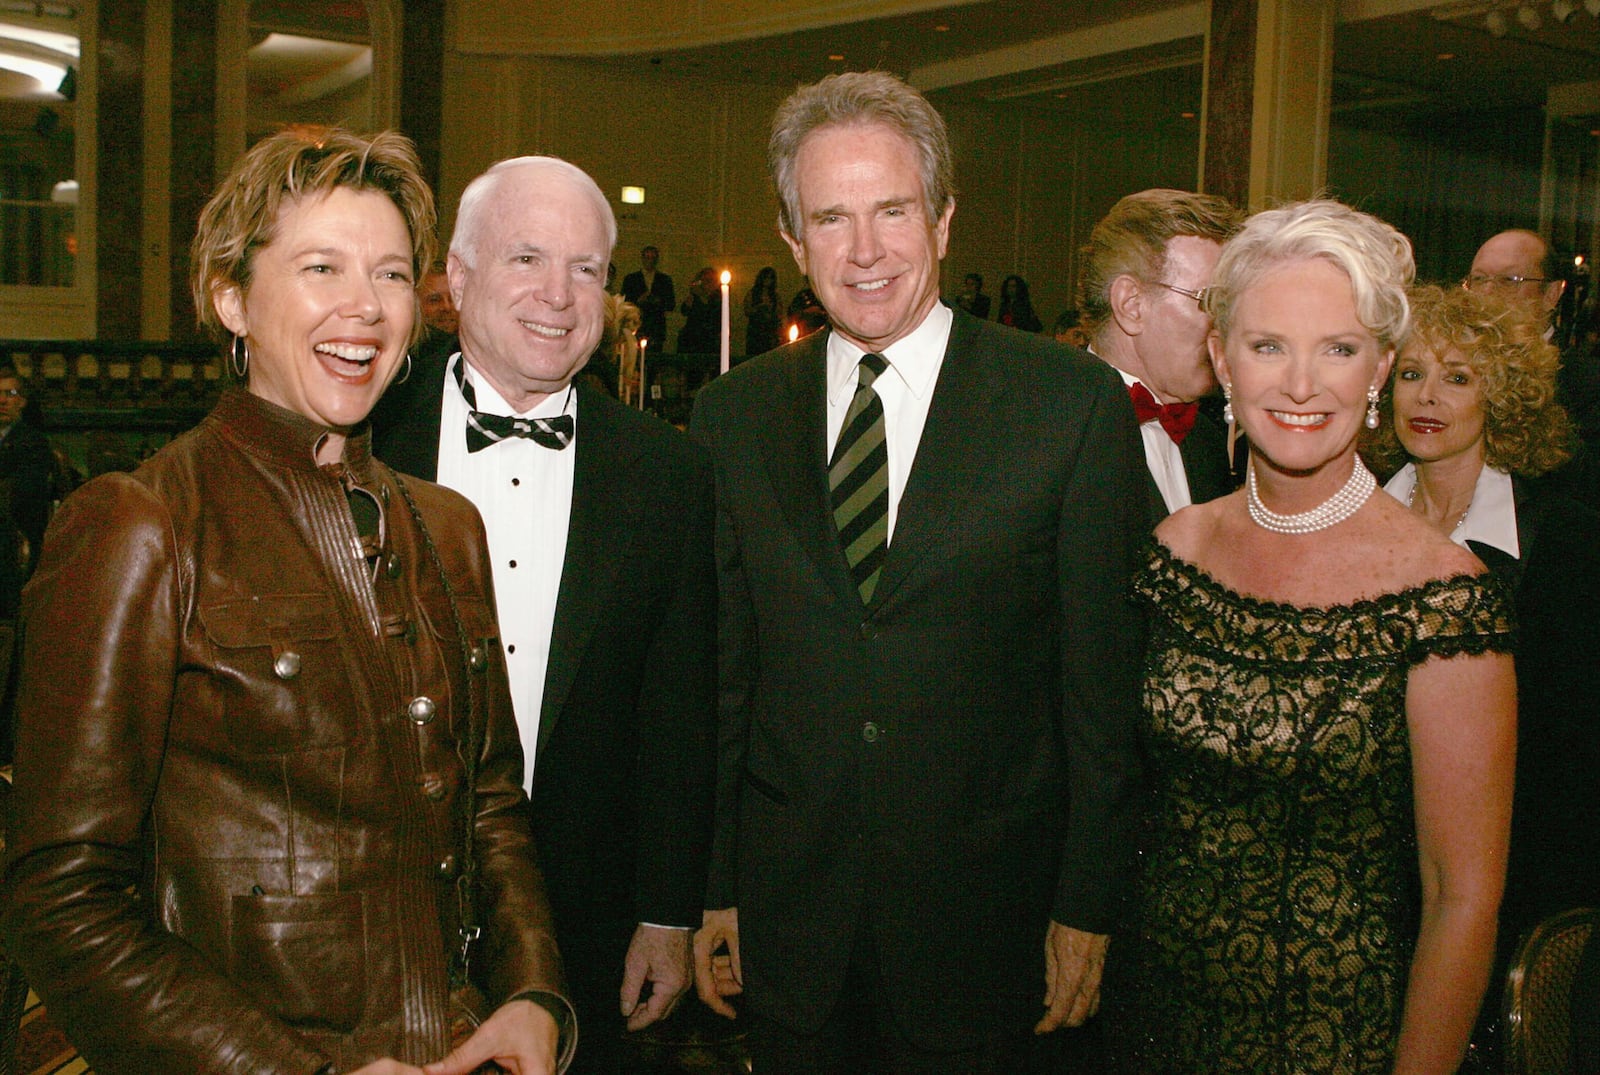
column 726, row 277
column 643, row 343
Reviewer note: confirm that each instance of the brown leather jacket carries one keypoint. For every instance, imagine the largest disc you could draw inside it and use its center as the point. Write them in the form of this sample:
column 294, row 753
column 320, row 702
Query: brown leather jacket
column 239, row 801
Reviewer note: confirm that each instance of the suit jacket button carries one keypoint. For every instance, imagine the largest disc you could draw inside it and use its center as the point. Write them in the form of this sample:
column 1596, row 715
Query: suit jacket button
column 477, row 659
column 421, row 710
column 869, row 630
column 870, row 732
column 446, row 868
column 286, row 665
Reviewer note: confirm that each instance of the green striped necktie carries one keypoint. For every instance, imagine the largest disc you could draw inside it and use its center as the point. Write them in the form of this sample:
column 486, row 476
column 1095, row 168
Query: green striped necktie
column 859, row 479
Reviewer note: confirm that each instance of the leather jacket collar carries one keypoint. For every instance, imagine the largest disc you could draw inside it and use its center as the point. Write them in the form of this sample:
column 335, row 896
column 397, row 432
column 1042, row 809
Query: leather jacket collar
column 284, row 437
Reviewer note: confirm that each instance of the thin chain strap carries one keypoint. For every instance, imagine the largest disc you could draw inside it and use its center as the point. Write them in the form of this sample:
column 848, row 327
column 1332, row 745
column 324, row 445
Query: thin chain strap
column 467, row 879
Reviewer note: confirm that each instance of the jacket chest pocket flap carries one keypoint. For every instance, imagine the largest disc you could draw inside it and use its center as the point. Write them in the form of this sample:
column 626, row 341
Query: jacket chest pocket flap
column 280, row 669
column 483, row 643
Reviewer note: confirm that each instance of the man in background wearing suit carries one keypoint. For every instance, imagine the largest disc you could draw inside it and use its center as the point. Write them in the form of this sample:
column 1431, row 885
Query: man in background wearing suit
column 652, row 292
column 27, row 489
column 1143, row 272
column 926, row 525
column 600, row 525
column 1519, row 268
column 439, row 314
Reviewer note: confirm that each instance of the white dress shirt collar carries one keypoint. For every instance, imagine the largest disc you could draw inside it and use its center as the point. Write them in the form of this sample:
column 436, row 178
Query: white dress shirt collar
column 905, row 389
column 915, row 358
column 491, row 402
column 1492, row 516
column 1162, row 456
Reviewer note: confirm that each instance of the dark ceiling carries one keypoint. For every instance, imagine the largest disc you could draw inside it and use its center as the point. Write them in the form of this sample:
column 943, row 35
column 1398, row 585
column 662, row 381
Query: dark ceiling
column 1443, row 58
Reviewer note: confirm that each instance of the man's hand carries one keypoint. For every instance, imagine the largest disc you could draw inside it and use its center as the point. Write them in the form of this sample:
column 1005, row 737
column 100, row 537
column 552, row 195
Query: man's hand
column 662, row 958
column 1073, row 961
column 520, row 1036
column 718, row 975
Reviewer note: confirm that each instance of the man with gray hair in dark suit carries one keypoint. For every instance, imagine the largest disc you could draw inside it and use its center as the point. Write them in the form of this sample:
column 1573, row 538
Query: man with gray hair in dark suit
column 926, row 527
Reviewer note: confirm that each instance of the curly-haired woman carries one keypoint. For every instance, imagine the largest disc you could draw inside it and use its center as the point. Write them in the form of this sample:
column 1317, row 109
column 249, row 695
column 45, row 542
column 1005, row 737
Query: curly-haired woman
column 1470, row 410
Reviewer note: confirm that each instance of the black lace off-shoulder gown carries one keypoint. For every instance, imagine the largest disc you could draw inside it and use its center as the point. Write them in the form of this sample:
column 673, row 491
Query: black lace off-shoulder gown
column 1278, row 905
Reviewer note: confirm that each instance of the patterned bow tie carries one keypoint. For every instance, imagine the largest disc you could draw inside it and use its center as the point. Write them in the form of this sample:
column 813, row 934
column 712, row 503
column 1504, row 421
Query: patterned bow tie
column 1176, row 418
column 484, row 429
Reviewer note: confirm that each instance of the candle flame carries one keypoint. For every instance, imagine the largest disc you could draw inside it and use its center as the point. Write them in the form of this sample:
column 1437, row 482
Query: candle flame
column 727, row 277
column 794, row 333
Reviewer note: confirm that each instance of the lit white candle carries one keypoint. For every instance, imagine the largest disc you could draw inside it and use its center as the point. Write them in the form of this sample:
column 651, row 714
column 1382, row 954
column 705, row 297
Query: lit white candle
column 727, row 277
column 643, row 343
column 794, row 333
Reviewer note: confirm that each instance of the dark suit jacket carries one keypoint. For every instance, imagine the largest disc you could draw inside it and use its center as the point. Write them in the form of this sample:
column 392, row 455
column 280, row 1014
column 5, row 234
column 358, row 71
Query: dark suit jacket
column 979, row 307
column 1578, row 389
column 622, row 787
column 909, row 764
column 654, row 304
column 27, row 468
column 1555, row 825
column 1205, row 464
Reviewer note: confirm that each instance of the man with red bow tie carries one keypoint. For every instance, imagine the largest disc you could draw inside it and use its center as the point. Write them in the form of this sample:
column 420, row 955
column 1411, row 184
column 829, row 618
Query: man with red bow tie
column 1142, row 288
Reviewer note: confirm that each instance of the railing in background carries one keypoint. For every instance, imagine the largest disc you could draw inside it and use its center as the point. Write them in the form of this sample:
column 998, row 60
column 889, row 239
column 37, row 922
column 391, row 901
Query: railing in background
column 118, row 384
column 106, row 404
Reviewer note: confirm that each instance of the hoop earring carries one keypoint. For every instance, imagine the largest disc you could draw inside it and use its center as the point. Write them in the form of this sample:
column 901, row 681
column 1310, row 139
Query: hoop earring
column 1227, row 404
column 1372, row 407
column 406, row 376
column 240, row 368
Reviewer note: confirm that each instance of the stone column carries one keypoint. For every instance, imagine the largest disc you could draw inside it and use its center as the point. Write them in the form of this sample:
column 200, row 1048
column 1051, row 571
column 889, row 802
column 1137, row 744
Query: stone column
column 119, row 170
column 422, row 88
column 1269, row 79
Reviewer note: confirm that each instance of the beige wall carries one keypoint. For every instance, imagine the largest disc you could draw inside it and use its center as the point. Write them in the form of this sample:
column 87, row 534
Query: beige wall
column 1030, row 184
column 612, row 27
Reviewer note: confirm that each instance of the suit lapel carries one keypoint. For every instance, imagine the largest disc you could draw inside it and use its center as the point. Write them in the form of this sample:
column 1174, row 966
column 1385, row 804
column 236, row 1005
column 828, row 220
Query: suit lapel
column 953, row 456
column 406, row 421
column 601, row 525
column 1205, row 460
column 797, row 463
column 1155, row 503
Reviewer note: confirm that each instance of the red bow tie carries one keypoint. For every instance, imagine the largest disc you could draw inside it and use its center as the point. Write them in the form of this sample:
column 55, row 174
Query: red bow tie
column 1176, row 418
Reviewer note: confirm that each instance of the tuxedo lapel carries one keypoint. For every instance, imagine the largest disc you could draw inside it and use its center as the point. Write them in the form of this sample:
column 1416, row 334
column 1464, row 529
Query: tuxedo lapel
column 1155, row 503
column 1205, row 460
column 953, row 456
column 405, row 424
column 601, row 527
column 797, row 451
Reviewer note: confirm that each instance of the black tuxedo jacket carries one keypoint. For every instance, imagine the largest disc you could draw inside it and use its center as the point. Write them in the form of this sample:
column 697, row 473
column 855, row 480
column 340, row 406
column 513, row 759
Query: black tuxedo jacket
column 908, row 765
column 1578, row 389
column 1205, row 464
column 1555, row 822
column 622, row 788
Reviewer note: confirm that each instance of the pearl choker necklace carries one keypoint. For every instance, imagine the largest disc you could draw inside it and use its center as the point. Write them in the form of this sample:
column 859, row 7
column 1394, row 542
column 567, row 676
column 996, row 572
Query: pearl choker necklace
column 1336, row 509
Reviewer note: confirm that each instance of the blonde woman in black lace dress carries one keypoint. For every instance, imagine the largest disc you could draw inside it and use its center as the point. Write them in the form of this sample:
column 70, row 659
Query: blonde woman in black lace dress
column 1329, row 704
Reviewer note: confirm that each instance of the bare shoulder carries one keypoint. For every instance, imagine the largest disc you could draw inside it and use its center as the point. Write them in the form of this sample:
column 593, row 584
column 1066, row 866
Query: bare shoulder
column 1413, row 552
